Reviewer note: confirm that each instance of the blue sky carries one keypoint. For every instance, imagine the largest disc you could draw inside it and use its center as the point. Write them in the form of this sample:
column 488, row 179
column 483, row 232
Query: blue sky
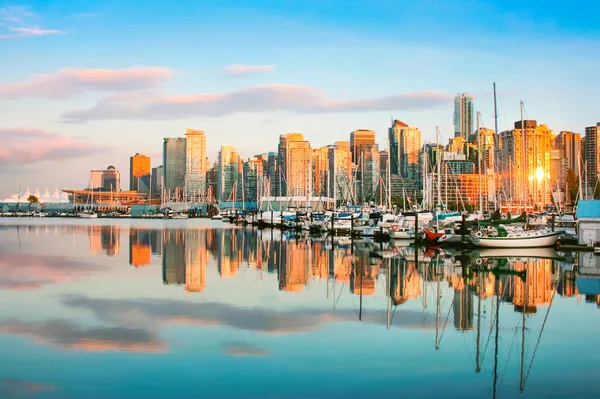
column 323, row 68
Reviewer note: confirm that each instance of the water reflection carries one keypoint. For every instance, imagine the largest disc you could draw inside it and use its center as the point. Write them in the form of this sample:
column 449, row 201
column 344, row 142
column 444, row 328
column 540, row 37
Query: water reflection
column 488, row 307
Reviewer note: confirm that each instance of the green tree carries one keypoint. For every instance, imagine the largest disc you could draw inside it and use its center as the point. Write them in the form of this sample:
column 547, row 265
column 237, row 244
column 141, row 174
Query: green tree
column 572, row 184
column 32, row 199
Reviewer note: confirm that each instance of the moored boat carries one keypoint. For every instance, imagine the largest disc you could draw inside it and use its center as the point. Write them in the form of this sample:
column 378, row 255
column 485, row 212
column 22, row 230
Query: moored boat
column 501, row 238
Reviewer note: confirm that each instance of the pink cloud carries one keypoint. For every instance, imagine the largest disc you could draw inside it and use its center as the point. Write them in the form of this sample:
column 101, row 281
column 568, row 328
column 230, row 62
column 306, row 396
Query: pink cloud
column 24, row 145
column 256, row 99
column 68, row 82
column 239, row 70
column 18, row 15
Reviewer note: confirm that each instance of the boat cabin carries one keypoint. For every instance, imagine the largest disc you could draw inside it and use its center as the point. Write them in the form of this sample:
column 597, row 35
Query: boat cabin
column 588, row 220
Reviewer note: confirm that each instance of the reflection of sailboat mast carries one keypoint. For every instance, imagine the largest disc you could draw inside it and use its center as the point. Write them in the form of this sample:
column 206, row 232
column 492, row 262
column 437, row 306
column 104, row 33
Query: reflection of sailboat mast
column 389, row 284
column 496, row 336
column 437, row 314
column 477, row 357
column 525, row 289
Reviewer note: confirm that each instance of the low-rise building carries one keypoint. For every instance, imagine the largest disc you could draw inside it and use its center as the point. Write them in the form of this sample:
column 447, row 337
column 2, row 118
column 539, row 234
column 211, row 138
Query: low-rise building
column 588, row 221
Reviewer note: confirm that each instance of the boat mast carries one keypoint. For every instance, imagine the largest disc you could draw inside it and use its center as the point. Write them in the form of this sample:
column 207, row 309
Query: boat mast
column 389, row 171
column 496, row 150
column 439, row 162
column 479, row 164
column 524, row 161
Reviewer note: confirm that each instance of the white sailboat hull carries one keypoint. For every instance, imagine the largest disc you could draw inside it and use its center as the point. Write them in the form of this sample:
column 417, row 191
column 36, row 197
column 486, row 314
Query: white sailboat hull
column 87, row 215
column 532, row 241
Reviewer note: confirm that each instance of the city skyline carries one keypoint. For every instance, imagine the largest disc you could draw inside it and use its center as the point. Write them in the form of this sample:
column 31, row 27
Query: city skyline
column 123, row 97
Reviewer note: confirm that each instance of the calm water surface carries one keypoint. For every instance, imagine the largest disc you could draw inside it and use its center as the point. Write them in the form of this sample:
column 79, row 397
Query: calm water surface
column 190, row 309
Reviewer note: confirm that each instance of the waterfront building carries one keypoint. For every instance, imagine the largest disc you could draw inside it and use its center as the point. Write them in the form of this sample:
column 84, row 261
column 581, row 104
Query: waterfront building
column 457, row 145
column 108, row 179
column 320, row 165
column 195, row 164
column 139, row 173
column 298, row 168
column 464, row 111
column 360, row 140
column 340, row 172
column 228, row 172
column 156, row 182
column 485, row 141
column 525, row 163
column 274, row 175
column 253, row 179
column 591, row 158
column 461, row 190
column 369, row 173
column 405, row 144
column 285, row 141
column 174, row 164
column 569, row 146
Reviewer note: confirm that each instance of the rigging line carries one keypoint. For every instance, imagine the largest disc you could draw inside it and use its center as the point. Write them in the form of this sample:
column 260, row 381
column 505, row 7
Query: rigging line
column 539, row 339
column 445, row 323
column 467, row 350
column 509, row 352
column 493, row 321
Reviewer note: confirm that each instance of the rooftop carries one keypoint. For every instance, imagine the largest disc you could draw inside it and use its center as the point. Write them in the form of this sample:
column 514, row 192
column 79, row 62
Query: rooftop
column 588, row 209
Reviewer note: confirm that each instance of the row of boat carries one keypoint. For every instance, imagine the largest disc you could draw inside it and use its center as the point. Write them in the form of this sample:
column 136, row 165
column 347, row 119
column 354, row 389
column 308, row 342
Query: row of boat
column 440, row 228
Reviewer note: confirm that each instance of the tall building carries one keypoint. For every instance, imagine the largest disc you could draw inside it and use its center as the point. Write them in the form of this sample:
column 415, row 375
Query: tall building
column 156, row 181
column 405, row 144
column 274, row 175
column 174, row 166
column 227, row 173
column 295, row 161
column 369, row 173
column 339, row 158
column 525, row 161
column 195, row 164
column 464, row 111
column 591, row 157
column 320, row 166
column 108, row 179
column 96, row 179
column 569, row 146
column 253, row 179
column 485, row 141
column 360, row 140
column 139, row 173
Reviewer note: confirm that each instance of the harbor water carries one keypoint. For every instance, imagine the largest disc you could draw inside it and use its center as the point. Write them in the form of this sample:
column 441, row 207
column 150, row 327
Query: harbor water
column 204, row 309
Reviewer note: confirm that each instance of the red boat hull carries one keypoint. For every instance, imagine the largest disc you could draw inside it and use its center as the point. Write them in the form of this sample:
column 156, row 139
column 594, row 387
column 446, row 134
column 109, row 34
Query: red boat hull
column 431, row 235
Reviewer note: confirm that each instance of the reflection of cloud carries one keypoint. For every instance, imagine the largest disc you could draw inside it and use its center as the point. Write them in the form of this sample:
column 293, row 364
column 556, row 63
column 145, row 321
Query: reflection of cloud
column 24, row 145
column 255, row 99
column 67, row 335
column 150, row 313
column 246, row 70
column 17, row 388
column 27, row 271
column 241, row 349
column 68, row 82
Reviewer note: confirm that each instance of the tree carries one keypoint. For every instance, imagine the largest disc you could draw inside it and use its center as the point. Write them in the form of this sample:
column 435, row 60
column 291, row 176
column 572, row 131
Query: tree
column 32, row 199
column 572, row 184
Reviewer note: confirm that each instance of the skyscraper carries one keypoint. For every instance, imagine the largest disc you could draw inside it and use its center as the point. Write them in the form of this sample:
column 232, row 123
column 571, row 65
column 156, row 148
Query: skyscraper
column 294, row 160
column 319, row 171
column 139, row 173
column 525, row 173
column 485, row 141
column 174, row 165
column 339, row 158
column 405, row 144
column 111, row 179
column 464, row 112
column 569, row 146
column 359, row 141
column 195, row 164
column 227, row 173
column 369, row 172
column 157, row 180
column 591, row 157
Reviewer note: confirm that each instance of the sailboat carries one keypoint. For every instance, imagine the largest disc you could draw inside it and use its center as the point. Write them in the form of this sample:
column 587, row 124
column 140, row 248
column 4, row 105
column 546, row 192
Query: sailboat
column 88, row 213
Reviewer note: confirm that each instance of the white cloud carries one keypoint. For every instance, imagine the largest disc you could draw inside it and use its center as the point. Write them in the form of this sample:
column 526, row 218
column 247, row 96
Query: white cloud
column 240, row 70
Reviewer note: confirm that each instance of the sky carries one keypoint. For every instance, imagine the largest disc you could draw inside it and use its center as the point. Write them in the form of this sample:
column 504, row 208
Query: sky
column 87, row 84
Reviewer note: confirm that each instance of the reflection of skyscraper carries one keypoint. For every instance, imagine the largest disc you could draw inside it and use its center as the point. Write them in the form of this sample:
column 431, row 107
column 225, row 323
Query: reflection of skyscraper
column 196, row 259
column 156, row 237
column 294, row 272
column 536, row 289
column 405, row 281
column 174, row 256
column 462, row 306
column 109, row 237
column 139, row 247
column 227, row 253
column 363, row 276
column 567, row 285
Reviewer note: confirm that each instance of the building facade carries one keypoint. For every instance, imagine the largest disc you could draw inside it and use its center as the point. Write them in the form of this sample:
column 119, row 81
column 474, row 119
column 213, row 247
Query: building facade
column 339, row 158
column 174, row 166
column 525, row 161
column 139, row 173
column 195, row 164
column 157, row 180
column 360, row 140
column 591, row 158
column 320, row 166
column 369, row 172
column 568, row 145
column 227, row 173
column 405, row 145
column 464, row 111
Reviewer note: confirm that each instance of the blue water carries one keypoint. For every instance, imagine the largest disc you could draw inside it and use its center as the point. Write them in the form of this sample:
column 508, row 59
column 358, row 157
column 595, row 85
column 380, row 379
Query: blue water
column 194, row 308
